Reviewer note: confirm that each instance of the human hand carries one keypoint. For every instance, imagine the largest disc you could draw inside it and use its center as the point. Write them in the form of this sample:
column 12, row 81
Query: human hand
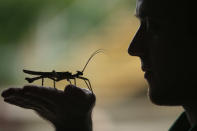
column 69, row 109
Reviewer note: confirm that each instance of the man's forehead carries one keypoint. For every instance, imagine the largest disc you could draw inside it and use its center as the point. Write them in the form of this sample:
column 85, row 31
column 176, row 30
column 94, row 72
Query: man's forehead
column 159, row 8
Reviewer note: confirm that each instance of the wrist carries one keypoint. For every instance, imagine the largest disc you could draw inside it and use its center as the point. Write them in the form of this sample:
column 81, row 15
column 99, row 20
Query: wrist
column 76, row 124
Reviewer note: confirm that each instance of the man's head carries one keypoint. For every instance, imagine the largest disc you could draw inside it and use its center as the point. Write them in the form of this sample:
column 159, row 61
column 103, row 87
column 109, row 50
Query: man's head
column 165, row 43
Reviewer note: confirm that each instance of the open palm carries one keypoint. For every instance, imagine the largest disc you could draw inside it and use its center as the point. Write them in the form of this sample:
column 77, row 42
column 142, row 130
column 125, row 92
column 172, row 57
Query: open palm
column 68, row 109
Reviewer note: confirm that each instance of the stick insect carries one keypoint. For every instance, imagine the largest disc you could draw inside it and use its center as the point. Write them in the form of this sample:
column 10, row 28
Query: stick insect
column 58, row 76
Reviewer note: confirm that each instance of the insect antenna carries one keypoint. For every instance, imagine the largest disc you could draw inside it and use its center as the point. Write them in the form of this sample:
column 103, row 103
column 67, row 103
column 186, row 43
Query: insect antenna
column 93, row 54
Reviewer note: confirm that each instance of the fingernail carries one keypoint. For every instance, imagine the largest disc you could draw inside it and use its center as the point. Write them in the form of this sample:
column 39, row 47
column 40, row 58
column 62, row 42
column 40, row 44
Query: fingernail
column 4, row 93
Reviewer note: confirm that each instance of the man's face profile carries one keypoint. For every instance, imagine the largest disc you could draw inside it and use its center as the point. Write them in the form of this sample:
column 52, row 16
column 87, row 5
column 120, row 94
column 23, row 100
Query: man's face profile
column 162, row 42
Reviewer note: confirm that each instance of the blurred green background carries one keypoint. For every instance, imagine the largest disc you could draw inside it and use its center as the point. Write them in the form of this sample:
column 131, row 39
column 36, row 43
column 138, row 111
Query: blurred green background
column 44, row 35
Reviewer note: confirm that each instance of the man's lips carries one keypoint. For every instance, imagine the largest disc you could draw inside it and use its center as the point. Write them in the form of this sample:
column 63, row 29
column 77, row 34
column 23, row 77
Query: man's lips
column 146, row 68
column 144, row 65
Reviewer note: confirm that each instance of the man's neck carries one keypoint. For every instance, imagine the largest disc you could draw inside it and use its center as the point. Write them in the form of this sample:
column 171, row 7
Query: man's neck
column 191, row 111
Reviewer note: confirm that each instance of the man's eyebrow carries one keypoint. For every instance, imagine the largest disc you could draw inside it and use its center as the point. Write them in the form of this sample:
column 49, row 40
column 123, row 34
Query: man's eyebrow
column 139, row 16
column 136, row 15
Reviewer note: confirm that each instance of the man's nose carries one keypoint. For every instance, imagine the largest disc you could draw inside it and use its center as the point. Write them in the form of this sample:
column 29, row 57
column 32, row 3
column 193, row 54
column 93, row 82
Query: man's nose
column 137, row 46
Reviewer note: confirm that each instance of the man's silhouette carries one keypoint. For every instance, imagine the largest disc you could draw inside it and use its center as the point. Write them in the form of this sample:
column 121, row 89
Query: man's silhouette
column 165, row 43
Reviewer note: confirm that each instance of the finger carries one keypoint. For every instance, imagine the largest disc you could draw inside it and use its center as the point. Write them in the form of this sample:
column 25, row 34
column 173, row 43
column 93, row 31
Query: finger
column 30, row 102
column 11, row 91
column 80, row 95
column 46, row 92
column 12, row 95
column 77, row 92
column 46, row 113
column 45, row 102
column 20, row 93
column 47, row 97
column 19, row 102
column 50, row 95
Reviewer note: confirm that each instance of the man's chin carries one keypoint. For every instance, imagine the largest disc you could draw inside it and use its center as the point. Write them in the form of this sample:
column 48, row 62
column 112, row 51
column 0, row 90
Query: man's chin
column 163, row 99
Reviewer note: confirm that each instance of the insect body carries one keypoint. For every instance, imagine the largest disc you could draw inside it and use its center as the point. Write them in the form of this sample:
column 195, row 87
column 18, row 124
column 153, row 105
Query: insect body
column 58, row 76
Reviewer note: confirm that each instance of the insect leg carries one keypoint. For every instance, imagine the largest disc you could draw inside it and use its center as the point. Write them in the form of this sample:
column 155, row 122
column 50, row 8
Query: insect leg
column 87, row 85
column 42, row 81
column 87, row 81
column 90, row 85
column 69, row 81
column 75, row 81
column 54, row 84
column 53, row 81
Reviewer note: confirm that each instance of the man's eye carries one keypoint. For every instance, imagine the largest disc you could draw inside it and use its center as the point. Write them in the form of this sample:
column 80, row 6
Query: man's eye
column 152, row 25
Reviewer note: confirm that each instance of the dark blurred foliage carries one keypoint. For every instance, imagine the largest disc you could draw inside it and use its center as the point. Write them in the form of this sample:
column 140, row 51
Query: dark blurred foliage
column 19, row 20
column 17, row 16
